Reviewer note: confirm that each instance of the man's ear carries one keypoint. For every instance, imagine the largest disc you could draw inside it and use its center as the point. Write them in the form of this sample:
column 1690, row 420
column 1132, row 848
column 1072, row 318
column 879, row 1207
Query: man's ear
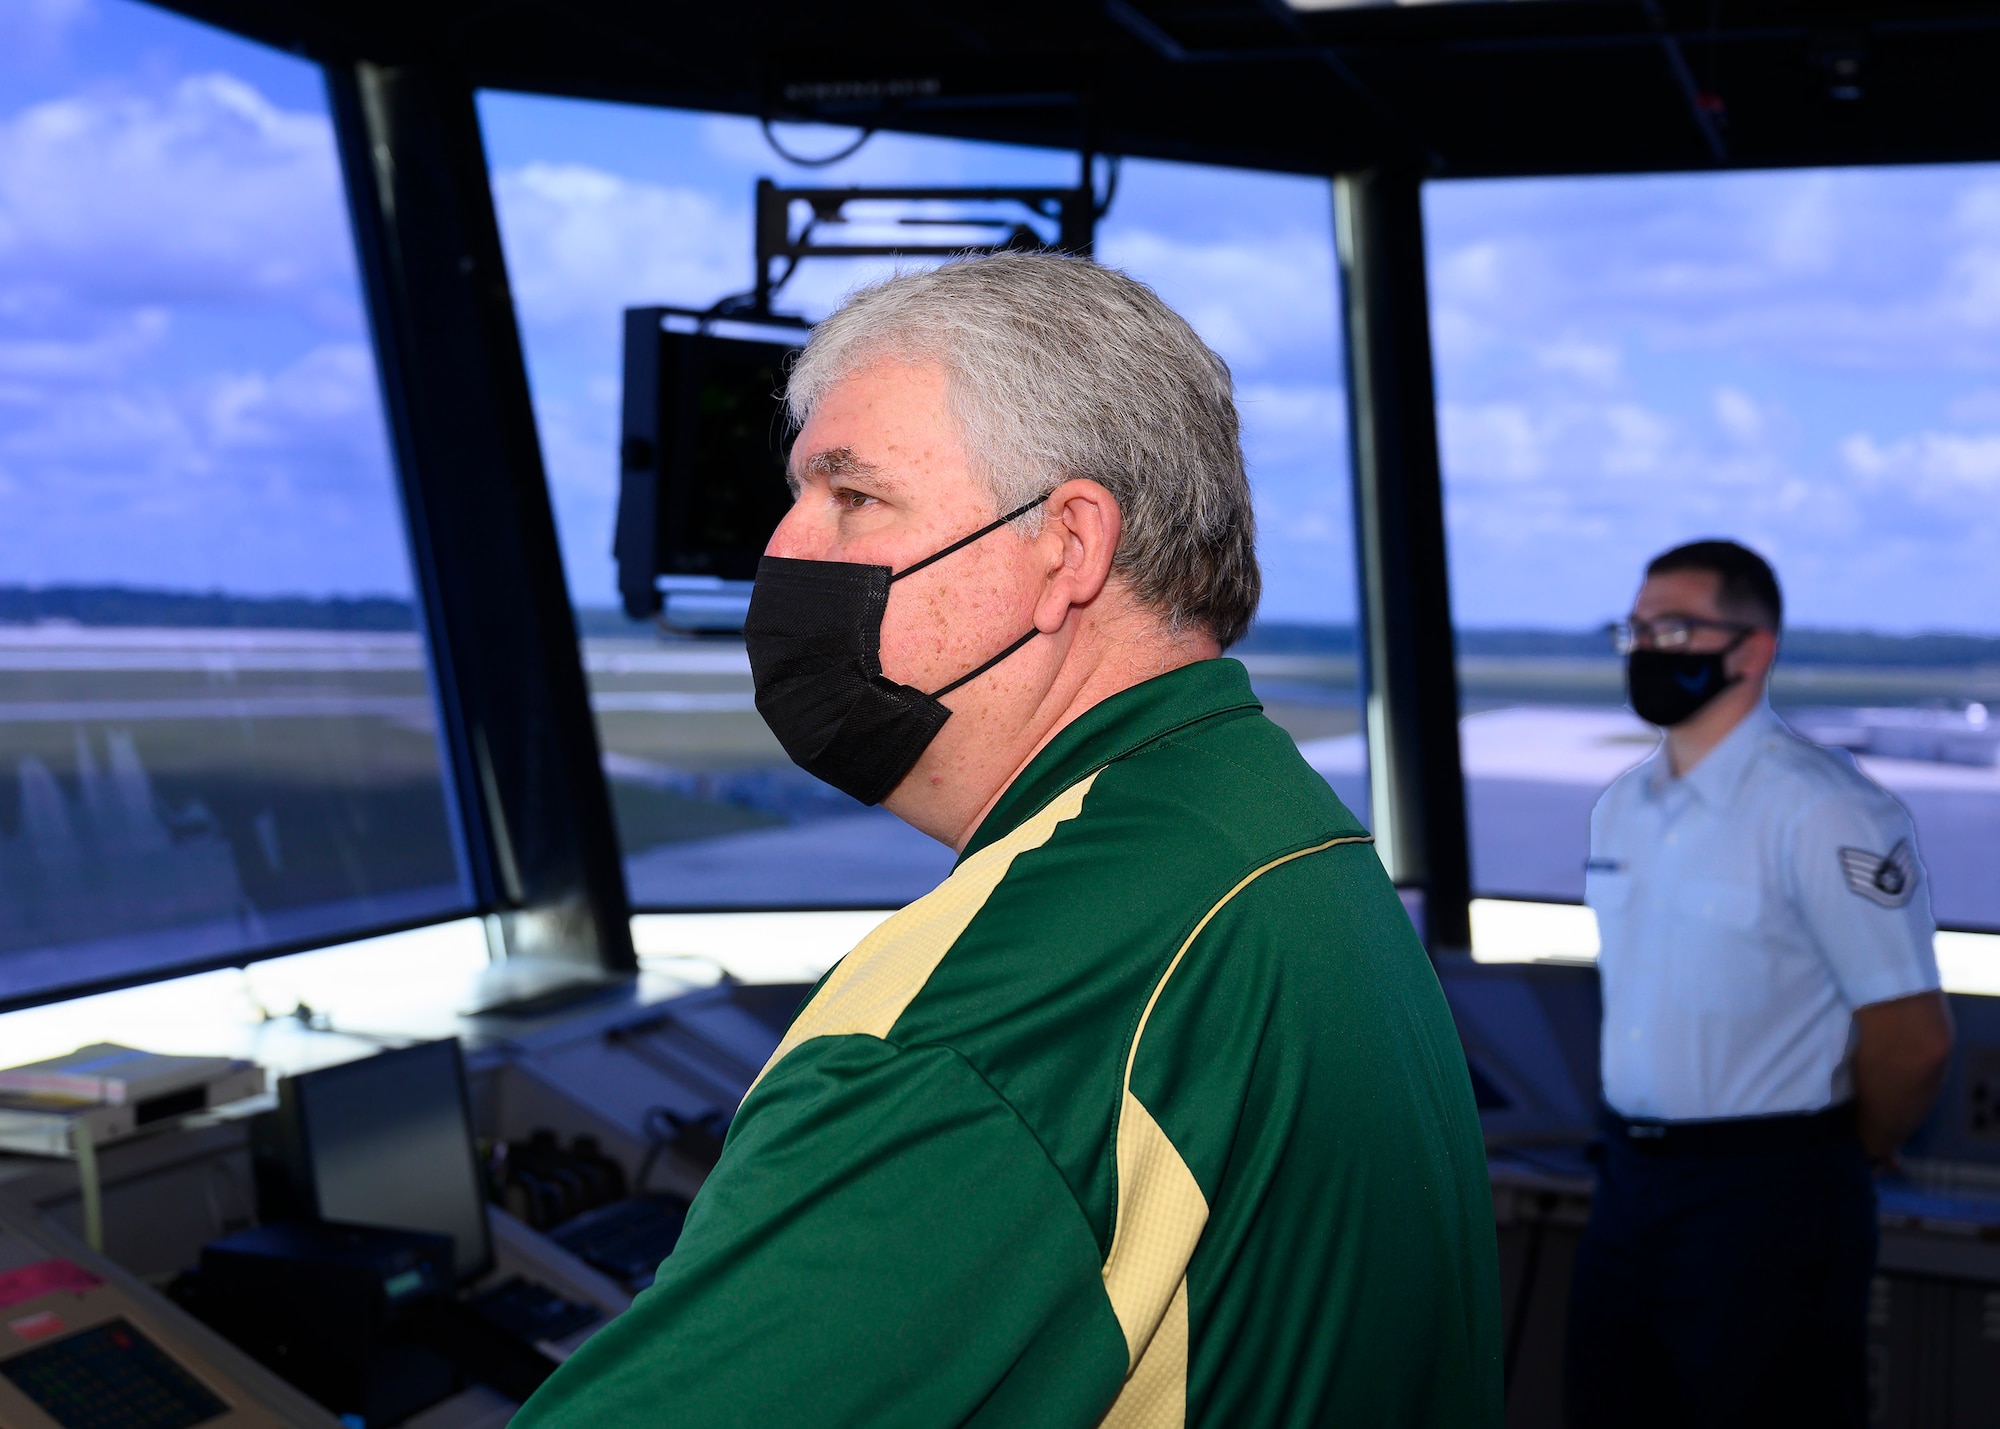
column 1757, row 654
column 1079, row 538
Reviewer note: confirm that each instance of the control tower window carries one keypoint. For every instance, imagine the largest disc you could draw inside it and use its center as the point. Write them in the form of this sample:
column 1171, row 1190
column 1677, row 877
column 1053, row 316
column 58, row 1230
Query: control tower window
column 1808, row 362
column 216, row 732
column 606, row 207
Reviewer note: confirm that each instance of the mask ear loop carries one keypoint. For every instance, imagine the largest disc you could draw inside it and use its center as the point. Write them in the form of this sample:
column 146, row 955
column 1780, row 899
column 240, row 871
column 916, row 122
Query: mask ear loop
column 961, row 544
column 967, row 679
column 1726, row 651
column 1019, row 511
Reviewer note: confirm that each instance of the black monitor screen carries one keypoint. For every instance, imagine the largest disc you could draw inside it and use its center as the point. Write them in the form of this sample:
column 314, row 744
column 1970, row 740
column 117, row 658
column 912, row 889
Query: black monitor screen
column 724, row 447
column 387, row 1141
column 702, row 453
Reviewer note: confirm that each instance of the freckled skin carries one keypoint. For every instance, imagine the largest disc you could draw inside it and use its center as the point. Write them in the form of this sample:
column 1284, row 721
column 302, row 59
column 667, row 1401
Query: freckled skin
column 883, row 479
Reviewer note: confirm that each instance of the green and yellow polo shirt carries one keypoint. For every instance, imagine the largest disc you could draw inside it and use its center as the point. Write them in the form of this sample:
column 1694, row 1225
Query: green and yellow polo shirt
column 1150, row 1114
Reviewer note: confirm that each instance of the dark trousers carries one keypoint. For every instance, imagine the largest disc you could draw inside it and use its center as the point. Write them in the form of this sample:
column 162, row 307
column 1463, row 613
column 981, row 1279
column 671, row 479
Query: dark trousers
column 1723, row 1289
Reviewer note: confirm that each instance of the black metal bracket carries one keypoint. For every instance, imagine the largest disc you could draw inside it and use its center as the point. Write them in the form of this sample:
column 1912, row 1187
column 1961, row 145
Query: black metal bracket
column 783, row 238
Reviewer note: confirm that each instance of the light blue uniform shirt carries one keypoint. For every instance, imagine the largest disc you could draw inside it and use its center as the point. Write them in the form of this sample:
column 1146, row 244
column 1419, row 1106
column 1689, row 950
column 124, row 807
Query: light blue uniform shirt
column 1744, row 911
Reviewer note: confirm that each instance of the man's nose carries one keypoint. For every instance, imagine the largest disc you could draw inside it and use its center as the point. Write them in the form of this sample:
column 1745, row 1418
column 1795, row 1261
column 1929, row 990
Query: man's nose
column 803, row 535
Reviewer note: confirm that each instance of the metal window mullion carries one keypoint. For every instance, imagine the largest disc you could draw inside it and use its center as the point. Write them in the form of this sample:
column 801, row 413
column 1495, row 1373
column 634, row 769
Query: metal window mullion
column 520, row 743
column 1408, row 674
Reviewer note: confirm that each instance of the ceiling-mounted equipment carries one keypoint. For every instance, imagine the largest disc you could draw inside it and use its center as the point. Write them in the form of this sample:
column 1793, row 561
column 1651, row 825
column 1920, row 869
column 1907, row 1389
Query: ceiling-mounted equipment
column 792, row 225
column 702, row 449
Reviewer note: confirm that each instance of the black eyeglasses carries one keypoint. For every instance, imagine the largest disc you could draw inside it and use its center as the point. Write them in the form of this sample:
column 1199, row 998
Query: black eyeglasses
column 1669, row 632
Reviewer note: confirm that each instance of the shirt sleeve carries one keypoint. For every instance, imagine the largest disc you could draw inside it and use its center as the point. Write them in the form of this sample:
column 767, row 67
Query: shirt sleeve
column 883, row 1242
column 1863, row 893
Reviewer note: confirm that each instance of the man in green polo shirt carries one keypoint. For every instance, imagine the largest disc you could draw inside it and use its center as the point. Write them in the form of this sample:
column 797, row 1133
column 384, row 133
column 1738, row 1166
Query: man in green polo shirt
column 1152, row 1112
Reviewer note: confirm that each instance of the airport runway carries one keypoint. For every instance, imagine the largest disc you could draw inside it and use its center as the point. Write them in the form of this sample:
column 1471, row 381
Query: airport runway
column 1532, row 776
column 718, row 818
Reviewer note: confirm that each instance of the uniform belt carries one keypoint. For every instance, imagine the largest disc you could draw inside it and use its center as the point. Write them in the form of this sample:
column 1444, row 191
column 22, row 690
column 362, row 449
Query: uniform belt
column 1725, row 1136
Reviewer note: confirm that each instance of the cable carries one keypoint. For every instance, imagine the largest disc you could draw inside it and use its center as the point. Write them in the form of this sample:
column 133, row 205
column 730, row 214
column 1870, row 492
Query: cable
column 698, row 1139
column 1113, row 163
column 771, row 138
column 744, row 304
column 660, row 1133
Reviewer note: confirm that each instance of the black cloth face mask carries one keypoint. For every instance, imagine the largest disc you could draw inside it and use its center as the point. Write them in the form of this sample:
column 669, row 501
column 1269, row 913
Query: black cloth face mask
column 814, row 634
column 1667, row 687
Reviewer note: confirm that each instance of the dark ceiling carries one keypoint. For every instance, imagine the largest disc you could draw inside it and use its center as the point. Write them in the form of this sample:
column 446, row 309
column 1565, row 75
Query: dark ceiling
column 1507, row 87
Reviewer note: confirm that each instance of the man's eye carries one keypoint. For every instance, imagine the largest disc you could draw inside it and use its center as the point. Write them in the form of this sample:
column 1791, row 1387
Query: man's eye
column 853, row 500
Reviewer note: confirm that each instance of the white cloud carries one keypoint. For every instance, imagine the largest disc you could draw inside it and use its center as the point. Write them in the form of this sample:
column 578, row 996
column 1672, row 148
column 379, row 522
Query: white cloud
column 249, row 479
column 1295, row 445
column 1975, row 214
column 209, row 192
column 327, row 393
column 1254, row 302
column 583, row 244
column 1800, row 231
column 1781, row 340
column 1296, row 418
column 579, row 436
column 1980, row 407
column 1933, row 467
column 584, row 241
column 1472, row 272
column 100, row 355
column 1457, row 336
column 1738, row 415
column 33, row 32
column 189, row 401
column 1492, row 442
column 1973, row 286
column 1597, row 363
column 1852, row 269
column 319, row 413
column 1640, row 440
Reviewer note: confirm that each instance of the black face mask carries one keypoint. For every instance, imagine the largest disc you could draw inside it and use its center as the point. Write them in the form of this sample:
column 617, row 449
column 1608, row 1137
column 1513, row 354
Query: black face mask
column 1666, row 687
column 814, row 633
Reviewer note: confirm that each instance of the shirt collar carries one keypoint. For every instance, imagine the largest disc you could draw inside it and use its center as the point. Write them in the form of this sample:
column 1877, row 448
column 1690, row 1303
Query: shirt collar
column 1113, row 729
column 1715, row 778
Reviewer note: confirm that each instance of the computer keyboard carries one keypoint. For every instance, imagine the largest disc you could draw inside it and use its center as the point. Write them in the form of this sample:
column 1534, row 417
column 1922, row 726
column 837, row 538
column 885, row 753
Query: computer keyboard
column 533, row 1314
column 627, row 1240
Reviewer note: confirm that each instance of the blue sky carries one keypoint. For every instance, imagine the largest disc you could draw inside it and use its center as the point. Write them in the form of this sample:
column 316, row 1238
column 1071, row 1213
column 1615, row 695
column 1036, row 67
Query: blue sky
column 186, row 392
column 1808, row 360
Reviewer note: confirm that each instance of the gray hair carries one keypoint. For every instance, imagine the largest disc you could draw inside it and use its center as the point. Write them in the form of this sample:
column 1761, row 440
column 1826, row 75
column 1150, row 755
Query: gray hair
column 1058, row 368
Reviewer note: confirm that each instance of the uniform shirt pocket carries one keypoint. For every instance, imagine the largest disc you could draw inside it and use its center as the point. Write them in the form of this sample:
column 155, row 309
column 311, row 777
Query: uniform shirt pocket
column 1718, row 901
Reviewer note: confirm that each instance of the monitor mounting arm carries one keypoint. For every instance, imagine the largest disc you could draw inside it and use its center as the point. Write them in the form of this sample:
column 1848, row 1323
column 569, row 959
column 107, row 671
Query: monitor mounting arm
column 783, row 241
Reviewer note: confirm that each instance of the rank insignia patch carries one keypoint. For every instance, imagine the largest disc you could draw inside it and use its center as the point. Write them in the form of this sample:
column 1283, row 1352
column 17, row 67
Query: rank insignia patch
column 1885, row 878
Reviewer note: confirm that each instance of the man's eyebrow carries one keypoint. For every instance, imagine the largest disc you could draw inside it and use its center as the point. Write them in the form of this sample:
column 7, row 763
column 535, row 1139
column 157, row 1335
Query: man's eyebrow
column 834, row 462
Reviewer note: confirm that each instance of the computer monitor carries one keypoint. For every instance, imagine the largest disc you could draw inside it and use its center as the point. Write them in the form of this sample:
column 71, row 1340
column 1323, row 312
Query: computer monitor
column 701, row 451
column 384, row 1141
